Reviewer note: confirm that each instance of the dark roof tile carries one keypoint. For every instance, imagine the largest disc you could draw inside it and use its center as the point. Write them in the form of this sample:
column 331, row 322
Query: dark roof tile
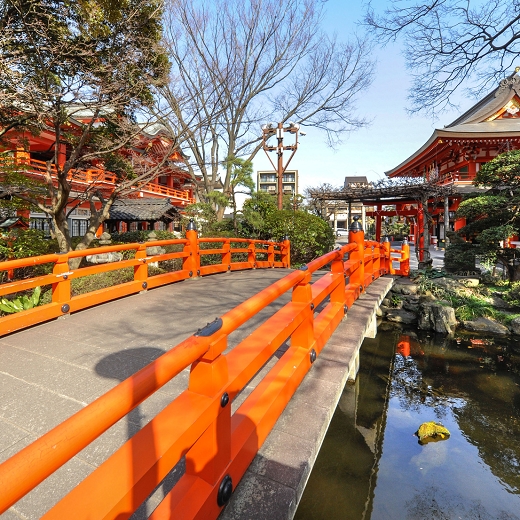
column 143, row 209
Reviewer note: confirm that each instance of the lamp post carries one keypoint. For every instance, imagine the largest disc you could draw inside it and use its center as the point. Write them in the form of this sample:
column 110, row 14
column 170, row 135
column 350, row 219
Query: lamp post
column 270, row 130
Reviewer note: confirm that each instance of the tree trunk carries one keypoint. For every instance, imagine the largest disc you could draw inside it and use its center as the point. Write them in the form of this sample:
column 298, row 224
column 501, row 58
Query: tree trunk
column 61, row 230
column 427, row 261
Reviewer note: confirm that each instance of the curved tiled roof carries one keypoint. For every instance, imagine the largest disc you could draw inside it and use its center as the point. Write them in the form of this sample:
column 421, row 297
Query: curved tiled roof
column 474, row 122
column 493, row 102
column 143, row 209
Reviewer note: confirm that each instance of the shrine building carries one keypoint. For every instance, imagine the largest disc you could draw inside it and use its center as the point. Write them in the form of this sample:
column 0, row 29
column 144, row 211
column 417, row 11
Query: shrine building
column 173, row 185
column 453, row 155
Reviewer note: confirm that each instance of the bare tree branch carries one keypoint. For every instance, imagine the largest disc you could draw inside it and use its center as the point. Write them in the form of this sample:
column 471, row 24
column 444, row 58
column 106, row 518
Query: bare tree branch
column 450, row 44
column 242, row 63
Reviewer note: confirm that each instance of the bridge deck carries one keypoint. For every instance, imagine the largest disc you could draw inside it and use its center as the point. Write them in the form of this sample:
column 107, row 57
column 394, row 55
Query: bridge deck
column 50, row 371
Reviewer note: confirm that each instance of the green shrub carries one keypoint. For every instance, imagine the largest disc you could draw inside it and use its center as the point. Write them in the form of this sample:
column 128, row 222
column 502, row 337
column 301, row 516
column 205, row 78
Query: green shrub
column 470, row 307
column 512, row 295
column 460, row 257
column 21, row 303
column 468, row 304
column 93, row 282
column 310, row 236
column 395, row 300
column 20, row 243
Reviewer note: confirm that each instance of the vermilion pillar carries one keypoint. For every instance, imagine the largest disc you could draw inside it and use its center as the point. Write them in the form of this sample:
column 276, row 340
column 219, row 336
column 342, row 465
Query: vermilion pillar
column 459, row 223
column 378, row 224
column 420, row 230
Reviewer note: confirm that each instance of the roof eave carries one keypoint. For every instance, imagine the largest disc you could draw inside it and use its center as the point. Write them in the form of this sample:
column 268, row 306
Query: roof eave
column 422, row 151
column 446, row 134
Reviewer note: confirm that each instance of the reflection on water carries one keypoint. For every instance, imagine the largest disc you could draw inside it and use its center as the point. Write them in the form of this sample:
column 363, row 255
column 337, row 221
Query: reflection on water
column 371, row 466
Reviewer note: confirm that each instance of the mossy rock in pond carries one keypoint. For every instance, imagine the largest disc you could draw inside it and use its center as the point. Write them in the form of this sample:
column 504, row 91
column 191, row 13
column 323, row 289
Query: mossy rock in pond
column 432, row 432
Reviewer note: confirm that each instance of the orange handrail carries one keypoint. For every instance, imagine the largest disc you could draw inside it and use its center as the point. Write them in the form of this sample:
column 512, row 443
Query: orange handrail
column 198, row 424
column 403, row 257
column 277, row 253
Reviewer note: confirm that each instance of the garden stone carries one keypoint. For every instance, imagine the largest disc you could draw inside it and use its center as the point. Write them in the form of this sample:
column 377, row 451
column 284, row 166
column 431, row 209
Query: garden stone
column 411, row 306
column 384, row 309
column 154, row 250
column 396, row 289
column 409, row 289
column 499, row 303
column 105, row 239
column 401, row 316
column 436, row 317
column 471, row 282
column 401, row 288
column 449, row 284
column 386, row 302
column 388, row 326
column 104, row 258
column 486, row 325
column 515, row 326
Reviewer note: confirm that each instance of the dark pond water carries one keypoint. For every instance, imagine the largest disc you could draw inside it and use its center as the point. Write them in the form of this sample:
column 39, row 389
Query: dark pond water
column 371, row 466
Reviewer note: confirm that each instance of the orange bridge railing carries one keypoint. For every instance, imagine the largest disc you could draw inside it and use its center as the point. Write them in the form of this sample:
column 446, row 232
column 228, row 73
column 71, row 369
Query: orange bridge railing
column 218, row 446
column 402, row 257
column 260, row 253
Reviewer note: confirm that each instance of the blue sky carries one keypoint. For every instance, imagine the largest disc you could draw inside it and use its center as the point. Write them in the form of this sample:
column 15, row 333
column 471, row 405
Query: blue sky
column 392, row 136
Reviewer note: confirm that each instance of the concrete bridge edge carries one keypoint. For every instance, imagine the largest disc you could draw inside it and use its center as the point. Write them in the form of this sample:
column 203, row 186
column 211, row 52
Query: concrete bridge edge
column 274, row 482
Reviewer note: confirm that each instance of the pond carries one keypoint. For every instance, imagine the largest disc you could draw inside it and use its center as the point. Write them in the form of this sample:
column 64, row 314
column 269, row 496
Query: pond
column 372, row 467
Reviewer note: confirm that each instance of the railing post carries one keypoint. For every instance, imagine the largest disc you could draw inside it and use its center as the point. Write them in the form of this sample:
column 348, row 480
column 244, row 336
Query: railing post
column 357, row 235
column 61, row 289
column 226, row 255
column 192, row 262
column 376, row 262
column 211, row 454
column 270, row 254
column 303, row 336
column 141, row 270
column 338, row 293
column 286, row 252
column 387, row 262
column 405, row 258
column 369, row 265
column 251, row 254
